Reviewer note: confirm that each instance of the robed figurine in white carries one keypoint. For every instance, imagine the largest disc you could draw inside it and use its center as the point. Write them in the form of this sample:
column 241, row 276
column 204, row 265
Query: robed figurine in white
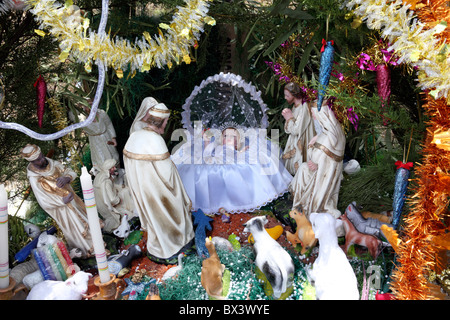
column 299, row 126
column 102, row 139
column 113, row 199
column 316, row 185
column 156, row 187
column 50, row 182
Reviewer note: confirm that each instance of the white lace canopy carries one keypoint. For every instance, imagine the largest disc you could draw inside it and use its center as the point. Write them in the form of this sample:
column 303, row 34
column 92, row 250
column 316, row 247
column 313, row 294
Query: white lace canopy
column 222, row 99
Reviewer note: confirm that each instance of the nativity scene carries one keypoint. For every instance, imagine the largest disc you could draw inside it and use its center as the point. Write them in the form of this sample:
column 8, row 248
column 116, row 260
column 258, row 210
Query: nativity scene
column 216, row 157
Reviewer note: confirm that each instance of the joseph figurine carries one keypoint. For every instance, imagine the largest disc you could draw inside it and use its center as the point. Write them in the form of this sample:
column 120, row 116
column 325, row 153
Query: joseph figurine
column 159, row 196
column 50, row 182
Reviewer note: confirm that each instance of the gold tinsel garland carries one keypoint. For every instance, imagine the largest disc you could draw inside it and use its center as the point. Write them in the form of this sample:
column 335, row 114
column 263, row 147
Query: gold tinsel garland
column 75, row 38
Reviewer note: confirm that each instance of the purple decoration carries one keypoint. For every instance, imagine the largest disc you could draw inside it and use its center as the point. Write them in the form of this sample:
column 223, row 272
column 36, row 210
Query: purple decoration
column 353, row 118
column 384, row 82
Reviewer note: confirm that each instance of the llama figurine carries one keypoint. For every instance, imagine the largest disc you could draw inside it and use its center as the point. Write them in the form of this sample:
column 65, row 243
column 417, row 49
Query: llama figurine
column 353, row 236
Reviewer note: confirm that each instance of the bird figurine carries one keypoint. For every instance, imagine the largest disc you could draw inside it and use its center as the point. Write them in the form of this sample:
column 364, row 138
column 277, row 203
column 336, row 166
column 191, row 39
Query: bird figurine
column 172, row 272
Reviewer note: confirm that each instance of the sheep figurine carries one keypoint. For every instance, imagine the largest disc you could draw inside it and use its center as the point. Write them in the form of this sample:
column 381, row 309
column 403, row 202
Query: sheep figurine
column 331, row 273
column 271, row 259
column 72, row 289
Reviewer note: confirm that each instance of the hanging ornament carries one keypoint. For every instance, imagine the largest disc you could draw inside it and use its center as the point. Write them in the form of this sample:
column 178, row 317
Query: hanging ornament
column 384, row 87
column 17, row 4
column 41, row 90
column 326, row 65
column 401, row 184
column 384, row 83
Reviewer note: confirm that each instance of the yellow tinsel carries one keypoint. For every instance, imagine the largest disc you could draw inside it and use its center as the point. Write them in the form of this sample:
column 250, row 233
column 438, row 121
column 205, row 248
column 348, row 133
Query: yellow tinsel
column 88, row 46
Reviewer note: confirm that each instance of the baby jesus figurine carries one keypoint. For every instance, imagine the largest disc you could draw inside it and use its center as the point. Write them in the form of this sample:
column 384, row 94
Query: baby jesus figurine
column 240, row 171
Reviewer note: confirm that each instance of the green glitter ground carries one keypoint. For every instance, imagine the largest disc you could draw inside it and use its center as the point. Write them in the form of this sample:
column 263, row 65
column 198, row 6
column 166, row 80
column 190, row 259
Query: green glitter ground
column 243, row 284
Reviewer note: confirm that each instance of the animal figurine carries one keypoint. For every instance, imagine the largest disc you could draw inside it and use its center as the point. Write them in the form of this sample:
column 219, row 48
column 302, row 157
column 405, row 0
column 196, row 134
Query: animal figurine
column 369, row 226
column 222, row 244
column 331, row 273
column 72, row 289
column 201, row 224
column 123, row 230
column 271, row 259
column 153, row 292
column 172, row 272
column 353, row 236
column 212, row 272
column 304, row 233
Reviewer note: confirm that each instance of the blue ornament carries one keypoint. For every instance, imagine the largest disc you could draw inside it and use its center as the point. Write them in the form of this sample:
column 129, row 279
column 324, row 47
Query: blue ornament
column 326, row 65
column 202, row 223
column 400, row 188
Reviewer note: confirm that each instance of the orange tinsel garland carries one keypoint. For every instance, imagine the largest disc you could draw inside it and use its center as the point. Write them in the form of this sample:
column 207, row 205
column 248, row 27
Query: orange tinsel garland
column 418, row 252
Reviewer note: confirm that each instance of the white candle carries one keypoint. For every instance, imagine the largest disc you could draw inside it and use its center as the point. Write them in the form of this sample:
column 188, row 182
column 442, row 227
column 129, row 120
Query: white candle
column 4, row 249
column 94, row 225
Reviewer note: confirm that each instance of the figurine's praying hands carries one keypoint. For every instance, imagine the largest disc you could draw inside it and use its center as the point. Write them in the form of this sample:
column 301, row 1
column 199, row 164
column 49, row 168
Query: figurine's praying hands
column 287, row 113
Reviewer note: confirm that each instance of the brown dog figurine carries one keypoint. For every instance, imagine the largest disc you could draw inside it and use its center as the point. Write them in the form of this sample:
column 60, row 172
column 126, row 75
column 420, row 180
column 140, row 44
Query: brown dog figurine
column 304, row 233
column 212, row 272
column 353, row 236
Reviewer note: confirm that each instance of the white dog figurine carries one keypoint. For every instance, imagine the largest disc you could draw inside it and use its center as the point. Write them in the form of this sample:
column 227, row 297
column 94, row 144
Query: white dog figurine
column 271, row 258
column 332, row 274
column 72, row 289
